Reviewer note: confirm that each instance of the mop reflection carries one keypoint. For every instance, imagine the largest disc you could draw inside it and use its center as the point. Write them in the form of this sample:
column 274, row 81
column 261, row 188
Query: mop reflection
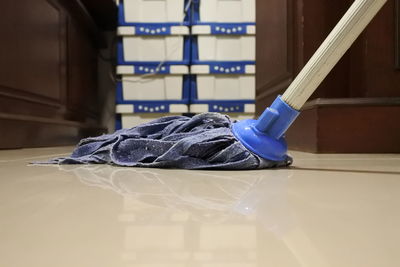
column 197, row 218
column 208, row 196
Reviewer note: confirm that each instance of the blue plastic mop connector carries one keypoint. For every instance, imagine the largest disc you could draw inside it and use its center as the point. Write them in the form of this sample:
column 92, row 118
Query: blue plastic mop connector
column 265, row 136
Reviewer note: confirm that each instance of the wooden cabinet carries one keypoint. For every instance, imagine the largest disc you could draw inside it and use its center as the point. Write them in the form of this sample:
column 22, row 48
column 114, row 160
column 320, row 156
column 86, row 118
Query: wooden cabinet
column 48, row 73
column 357, row 108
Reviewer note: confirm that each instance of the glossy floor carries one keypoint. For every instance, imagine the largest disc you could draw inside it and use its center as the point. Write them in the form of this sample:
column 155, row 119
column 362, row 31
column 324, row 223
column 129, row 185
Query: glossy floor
column 326, row 210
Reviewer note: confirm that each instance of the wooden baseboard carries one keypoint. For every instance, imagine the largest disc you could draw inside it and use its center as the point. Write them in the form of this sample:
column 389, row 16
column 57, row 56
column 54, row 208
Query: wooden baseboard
column 355, row 125
column 39, row 132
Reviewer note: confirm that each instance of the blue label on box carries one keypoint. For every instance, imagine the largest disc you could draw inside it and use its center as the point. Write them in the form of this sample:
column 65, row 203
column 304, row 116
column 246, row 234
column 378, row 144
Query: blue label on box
column 148, row 69
column 227, row 68
column 153, row 30
column 228, row 29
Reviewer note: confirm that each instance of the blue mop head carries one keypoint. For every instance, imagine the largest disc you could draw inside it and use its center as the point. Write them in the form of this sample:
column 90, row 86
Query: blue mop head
column 204, row 141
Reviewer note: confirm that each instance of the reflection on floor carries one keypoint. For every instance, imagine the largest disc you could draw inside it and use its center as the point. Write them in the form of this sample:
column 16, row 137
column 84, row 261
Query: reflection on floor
column 326, row 210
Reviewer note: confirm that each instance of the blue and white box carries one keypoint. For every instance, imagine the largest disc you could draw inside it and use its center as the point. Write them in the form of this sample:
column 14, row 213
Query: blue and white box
column 127, row 115
column 222, row 87
column 224, row 42
column 149, row 43
column 223, row 82
column 224, row 11
column 172, row 12
column 149, row 91
column 153, row 83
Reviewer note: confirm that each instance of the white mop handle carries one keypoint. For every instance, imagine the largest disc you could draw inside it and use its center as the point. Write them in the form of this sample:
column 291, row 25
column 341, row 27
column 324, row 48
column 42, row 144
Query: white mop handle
column 331, row 51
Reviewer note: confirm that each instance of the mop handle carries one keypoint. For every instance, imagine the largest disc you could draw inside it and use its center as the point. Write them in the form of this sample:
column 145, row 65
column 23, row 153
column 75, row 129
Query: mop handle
column 331, row 51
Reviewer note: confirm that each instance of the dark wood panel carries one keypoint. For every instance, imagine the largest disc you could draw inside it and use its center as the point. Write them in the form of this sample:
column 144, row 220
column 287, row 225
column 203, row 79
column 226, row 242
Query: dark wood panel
column 347, row 128
column 79, row 13
column 82, row 74
column 373, row 66
column 33, row 108
column 104, row 13
column 303, row 134
column 397, row 34
column 39, row 131
column 274, row 47
column 288, row 34
column 30, row 48
column 365, row 81
column 48, row 73
column 364, row 101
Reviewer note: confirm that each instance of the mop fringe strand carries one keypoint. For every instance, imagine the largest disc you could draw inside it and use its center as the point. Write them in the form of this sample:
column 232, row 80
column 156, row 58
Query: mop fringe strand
column 204, row 141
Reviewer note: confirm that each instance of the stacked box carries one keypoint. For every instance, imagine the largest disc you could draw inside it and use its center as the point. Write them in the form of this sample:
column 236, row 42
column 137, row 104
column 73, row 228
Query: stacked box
column 179, row 56
column 224, row 11
column 223, row 57
column 223, row 87
column 163, row 12
column 153, row 44
column 153, row 60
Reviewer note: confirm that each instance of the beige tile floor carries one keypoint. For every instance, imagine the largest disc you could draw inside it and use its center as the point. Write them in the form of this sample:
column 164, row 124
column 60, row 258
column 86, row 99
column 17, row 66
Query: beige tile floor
column 327, row 210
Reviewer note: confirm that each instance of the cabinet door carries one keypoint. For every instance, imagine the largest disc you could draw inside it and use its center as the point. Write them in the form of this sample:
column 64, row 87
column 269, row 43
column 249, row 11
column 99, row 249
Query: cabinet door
column 37, row 75
column 355, row 107
column 32, row 72
column 275, row 49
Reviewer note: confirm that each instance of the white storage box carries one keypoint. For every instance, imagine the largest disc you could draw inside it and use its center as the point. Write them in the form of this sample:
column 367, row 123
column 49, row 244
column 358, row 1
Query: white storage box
column 132, row 120
column 215, row 83
column 153, row 82
column 143, row 44
column 225, row 11
column 156, row 87
column 152, row 11
column 227, row 87
column 226, row 46
column 130, row 115
column 151, row 107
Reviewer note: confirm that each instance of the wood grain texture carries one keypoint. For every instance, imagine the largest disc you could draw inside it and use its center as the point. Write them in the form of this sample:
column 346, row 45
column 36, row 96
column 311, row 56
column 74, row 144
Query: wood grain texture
column 48, row 73
column 373, row 69
column 365, row 80
column 104, row 13
column 363, row 128
column 274, row 47
column 82, row 94
column 31, row 131
column 30, row 50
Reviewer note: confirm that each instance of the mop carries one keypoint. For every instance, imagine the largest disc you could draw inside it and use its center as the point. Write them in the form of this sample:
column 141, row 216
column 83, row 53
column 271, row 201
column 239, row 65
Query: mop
column 213, row 140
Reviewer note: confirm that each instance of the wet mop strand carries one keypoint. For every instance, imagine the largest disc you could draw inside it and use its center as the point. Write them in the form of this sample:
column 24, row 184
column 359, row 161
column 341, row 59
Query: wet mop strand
column 204, row 141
